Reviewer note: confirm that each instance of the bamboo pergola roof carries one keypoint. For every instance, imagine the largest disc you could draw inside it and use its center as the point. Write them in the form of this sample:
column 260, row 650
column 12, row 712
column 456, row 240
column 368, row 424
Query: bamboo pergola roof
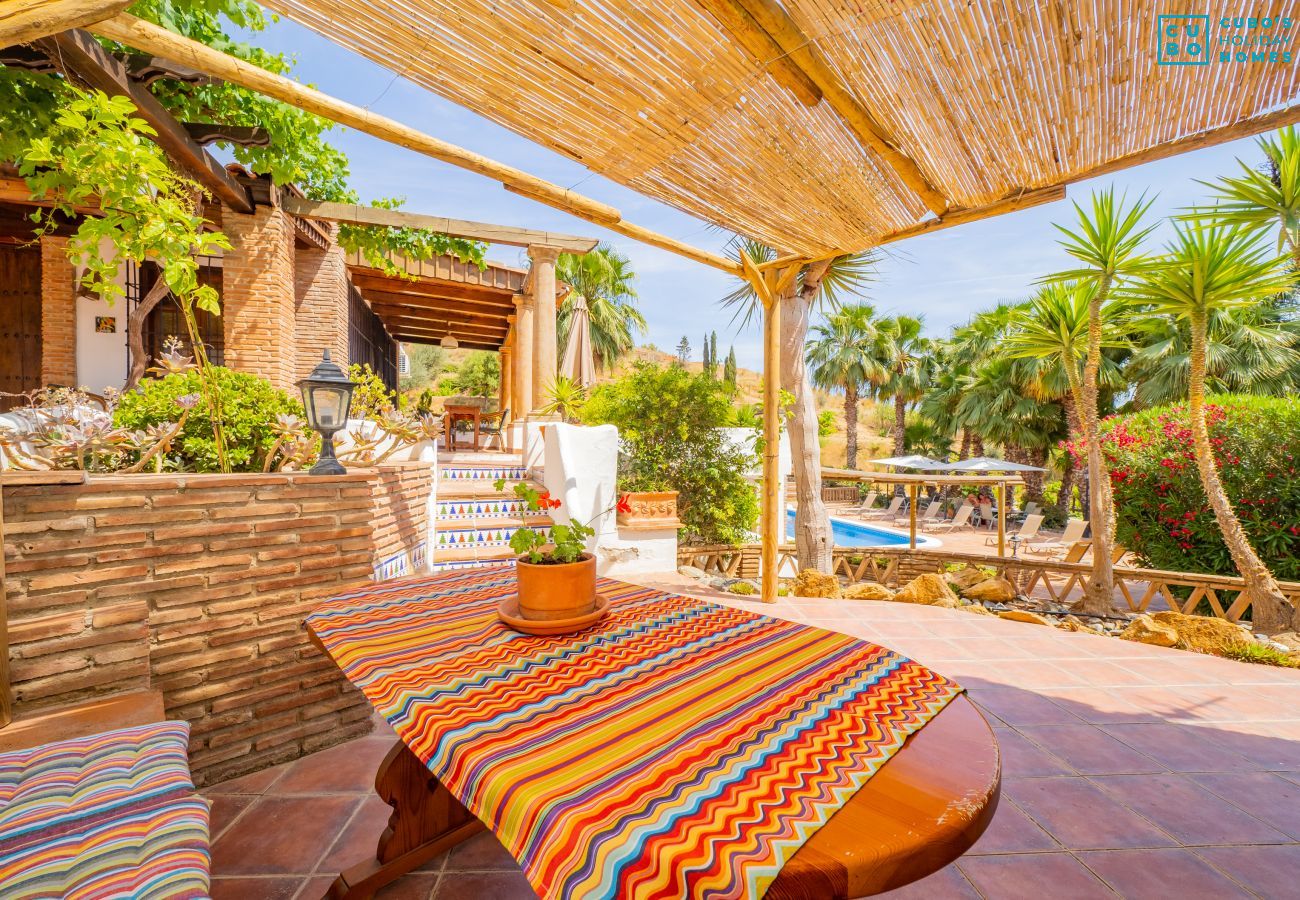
column 815, row 125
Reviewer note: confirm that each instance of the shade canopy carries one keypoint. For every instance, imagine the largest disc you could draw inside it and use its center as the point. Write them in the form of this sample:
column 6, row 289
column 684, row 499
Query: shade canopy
column 579, row 361
column 991, row 464
column 915, row 461
column 815, row 125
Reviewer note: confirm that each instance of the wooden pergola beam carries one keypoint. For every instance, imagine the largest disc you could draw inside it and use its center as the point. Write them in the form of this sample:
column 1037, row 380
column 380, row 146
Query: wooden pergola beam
column 89, row 61
column 803, row 52
column 353, row 214
column 24, row 21
column 974, row 214
column 464, row 345
column 458, row 305
column 149, row 38
column 474, row 294
column 763, row 49
column 399, row 317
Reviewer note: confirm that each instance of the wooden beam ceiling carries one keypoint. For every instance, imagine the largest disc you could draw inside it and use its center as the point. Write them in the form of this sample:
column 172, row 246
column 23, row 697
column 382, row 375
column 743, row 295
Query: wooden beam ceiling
column 436, row 301
column 425, row 339
column 801, row 51
column 150, row 38
column 353, row 214
column 24, row 21
column 431, row 287
column 89, row 61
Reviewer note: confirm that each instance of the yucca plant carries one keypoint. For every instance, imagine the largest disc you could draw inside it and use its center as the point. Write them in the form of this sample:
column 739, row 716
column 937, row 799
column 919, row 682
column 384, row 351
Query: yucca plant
column 1108, row 242
column 1209, row 269
column 564, row 397
column 1262, row 200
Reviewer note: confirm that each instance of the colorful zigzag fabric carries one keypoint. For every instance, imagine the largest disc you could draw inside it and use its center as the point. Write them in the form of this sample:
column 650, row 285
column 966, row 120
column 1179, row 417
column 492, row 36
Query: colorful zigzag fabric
column 677, row 749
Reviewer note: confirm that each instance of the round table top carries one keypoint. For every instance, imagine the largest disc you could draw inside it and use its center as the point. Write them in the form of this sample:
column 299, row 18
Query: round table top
column 926, row 806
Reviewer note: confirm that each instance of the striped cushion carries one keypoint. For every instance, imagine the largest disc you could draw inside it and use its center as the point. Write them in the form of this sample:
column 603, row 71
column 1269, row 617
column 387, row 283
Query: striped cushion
column 111, row 815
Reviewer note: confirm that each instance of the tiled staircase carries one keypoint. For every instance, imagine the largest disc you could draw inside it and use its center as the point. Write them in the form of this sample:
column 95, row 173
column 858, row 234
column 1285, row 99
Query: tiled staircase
column 474, row 521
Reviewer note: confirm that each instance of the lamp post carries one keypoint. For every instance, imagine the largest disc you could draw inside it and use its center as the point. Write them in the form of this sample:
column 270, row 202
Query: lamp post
column 327, row 397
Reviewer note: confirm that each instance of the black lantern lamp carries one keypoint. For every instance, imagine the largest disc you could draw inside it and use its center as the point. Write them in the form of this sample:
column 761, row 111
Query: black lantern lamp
column 327, row 397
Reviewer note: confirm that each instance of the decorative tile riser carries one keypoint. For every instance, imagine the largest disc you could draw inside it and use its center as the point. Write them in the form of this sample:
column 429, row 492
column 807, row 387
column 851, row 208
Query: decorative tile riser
column 479, row 537
column 450, row 510
column 483, row 473
column 458, row 565
column 402, row 563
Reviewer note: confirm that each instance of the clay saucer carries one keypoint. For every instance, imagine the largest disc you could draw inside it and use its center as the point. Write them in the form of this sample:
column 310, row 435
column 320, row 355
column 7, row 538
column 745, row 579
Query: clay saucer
column 508, row 612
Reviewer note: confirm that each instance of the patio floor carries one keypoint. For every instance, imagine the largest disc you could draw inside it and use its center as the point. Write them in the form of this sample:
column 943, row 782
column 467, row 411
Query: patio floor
column 1127, row 770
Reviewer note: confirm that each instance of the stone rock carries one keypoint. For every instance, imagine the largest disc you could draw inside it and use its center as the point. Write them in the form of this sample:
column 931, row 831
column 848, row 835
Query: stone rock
column 996, row 590
column 811, row 583
column 1024, row 615
column 1146, row 630
column 692, row 572
column 969, row 576
column 1204, row 634
column 977, row 609
column 930, row 590
column 1288, row 639
column 868, row 590
column 1073, row 623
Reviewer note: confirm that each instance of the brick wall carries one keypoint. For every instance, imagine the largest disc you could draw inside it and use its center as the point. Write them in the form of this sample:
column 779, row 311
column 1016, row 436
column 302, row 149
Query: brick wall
column 400, row 513
column 58, row 313
column 257, row 292
column 195, row 585
column 321, row 289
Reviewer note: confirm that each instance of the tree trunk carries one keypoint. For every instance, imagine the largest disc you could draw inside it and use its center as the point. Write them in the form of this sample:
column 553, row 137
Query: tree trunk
column 900, row 434
column 964, row 452
column 976, row 446
column 1034, row 480
column 812, row 524
column 1271, row 611
column 1063, row 496
column 135, row 331
column 1099, row 592
column 851, row 425
column 1076, row 470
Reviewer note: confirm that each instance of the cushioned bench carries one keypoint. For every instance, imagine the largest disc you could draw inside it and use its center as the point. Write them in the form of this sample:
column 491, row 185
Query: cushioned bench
column 110, row 815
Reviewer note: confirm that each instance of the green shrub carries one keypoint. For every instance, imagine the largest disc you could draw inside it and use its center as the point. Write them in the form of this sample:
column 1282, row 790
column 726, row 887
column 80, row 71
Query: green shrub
column 670, row 424
column 1161, row 510
column 249, row 406
column 371, row 398
column 825, row 423
column 743, row 588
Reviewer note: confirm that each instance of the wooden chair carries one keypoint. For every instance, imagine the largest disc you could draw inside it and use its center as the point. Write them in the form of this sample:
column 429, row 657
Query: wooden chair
column 492, row 426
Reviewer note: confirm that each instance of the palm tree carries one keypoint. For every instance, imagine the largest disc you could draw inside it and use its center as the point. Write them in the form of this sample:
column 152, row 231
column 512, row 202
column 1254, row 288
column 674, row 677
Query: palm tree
column 604, row 278
column 821, row 282
column 902, row 353
column 1261, row 200
column 1210, row 269
column 840, row 355
column 1108, row 243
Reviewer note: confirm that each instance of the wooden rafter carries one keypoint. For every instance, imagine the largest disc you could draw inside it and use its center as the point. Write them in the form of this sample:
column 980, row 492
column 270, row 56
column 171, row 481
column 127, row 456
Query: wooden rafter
column 24, row 21
column 763, row 49
column 962, row 216
column 82, row 54
column 354, row 214
column 802, row 52
column 159, row 41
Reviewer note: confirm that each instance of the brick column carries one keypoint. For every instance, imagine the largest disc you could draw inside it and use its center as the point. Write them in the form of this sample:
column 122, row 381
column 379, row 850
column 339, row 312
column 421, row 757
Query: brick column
column 545, row 355
column 58, row 313
column 257, row 293
column 321, row 290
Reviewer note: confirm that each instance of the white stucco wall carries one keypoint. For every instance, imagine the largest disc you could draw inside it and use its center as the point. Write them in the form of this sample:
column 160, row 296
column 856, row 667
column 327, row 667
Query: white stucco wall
column 101, row 358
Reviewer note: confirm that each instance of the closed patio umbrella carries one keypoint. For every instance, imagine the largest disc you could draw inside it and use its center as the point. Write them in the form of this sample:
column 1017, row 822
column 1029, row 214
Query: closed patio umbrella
column 579, row 361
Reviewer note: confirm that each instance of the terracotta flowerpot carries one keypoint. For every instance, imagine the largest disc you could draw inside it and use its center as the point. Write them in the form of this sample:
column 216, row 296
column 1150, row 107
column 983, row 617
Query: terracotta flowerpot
column 556, row 591
column 651, row 509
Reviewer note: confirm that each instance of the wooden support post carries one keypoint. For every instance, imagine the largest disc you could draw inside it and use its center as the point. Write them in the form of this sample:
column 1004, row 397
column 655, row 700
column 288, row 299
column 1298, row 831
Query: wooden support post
column 911, row 515
column 6, row 696
column 24, row 21
column 1002, row 518
column 773, row 526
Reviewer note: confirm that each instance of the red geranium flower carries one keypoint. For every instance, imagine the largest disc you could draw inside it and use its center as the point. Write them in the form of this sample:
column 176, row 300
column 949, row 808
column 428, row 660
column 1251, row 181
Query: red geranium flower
column 623, row 505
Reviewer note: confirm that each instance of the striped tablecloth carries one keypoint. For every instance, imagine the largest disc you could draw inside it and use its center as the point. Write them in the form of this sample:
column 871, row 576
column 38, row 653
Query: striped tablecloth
column 678, row 749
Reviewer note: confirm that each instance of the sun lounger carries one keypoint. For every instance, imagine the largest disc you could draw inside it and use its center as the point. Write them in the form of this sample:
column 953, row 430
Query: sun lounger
column 960, row 520
column 1074, row 530
column 931, row 514
column 1026, row 531
column 894, row 506
column 866, row 505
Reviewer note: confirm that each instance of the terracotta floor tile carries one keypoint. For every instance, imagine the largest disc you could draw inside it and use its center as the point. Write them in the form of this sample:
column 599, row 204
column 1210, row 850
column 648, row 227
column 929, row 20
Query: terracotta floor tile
column 314, row 888
column 1187, row 811
column 1257, row 742
column 255, row 888
column 1016, row 707
column 253, row 783
column 1099, row 706
column 1091, row 751
column 483, row 885
column 1103, row 673
column 282, row 835
column 1081, row 816
column 1022, row 758
column 413, row 886
column 1141, row 874
column 1181, row 748
column 1036, row 673
column 359, row 838
column 483, row 852
column 1271, row 872
column 1033, row 876
column 225, row 808
column 346, row 768
column 946, row 884
column 1011, row 831
column 1270, row 798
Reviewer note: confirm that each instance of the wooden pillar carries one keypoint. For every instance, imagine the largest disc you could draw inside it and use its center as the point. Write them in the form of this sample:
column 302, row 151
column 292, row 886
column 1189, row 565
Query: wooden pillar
column 911, row 515
column 545, row 354
column 1002, row 518
column 523, row 361
column 773, row 526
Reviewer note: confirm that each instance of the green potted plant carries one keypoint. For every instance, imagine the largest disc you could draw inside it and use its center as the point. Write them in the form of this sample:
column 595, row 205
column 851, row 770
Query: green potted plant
column 557, row 577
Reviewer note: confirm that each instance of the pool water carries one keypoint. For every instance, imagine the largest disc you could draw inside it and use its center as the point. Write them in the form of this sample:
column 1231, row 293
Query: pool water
column 845, row 533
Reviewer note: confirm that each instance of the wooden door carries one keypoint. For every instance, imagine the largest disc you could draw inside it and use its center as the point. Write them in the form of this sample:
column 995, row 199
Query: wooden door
column 20, row 323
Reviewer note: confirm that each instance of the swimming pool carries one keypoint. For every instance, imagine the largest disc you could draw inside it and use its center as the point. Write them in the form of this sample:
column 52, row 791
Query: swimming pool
column 849, row 533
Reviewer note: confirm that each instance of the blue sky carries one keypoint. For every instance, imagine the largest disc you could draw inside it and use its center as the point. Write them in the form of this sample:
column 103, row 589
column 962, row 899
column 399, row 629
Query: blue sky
column 945, row 276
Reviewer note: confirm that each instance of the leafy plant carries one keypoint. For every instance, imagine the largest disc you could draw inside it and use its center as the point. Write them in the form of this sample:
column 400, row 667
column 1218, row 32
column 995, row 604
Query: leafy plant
column 568, row 541
column 825, row 423
column 479, row 375
column 671, row 426
column 371, row 398
column 1261, row 654
column 249, row 404
column 564, row 397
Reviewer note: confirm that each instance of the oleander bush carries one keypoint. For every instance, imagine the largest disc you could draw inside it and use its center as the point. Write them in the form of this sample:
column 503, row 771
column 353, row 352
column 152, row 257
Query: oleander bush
column 1161, row 510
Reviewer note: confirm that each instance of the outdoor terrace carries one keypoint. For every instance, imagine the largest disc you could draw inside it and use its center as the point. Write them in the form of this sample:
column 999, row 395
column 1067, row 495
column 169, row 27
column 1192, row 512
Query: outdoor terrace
column 1128, row 770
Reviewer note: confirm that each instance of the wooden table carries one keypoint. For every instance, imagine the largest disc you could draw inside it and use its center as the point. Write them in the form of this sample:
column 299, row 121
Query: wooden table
column 468, row 413
column 926, row 806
